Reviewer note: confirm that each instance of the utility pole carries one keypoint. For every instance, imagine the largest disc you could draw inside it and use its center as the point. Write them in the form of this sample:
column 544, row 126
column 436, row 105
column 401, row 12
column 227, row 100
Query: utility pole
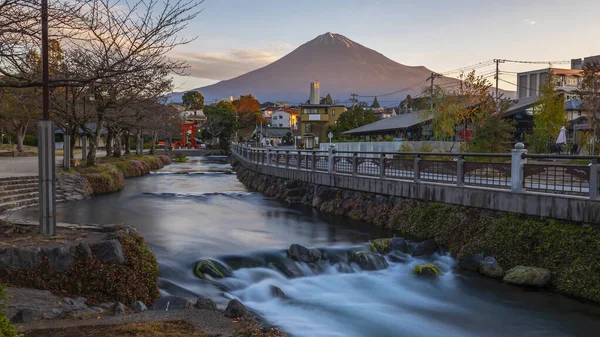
column 497, row 77
column 354, row 99
column 431, row 78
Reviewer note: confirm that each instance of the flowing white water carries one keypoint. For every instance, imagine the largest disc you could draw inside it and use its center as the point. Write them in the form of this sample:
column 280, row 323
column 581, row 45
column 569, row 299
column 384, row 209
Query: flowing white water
column 187, row 217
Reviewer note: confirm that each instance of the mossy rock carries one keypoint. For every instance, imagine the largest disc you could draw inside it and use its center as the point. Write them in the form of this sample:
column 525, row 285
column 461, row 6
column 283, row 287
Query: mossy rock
column 428, row 269
column 211, row 268
column 134, row 280
column 368, row 260
column 382, row 246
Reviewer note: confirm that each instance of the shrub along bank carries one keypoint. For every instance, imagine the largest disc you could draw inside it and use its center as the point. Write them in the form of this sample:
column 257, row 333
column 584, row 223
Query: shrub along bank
column 110, row 173
column 568, row 250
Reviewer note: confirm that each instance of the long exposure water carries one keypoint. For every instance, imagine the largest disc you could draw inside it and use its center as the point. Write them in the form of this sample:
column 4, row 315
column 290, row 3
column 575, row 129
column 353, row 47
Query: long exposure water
column 208, row 214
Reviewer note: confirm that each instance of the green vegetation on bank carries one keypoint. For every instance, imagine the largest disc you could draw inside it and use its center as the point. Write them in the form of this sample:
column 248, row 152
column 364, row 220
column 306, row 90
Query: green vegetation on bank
column 135, row 280
column 110, row 172
column 6, row 329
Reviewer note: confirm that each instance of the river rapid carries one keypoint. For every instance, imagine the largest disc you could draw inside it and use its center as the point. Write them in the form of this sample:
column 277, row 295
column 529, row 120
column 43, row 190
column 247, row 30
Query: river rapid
column 208, row 214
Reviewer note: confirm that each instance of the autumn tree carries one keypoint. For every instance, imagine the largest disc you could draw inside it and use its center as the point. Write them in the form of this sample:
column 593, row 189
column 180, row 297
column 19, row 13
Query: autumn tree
column 549, row 115
column 193, row 100
column 590, row 98
column 247, row 107
column 220, row 126
column 456, row 113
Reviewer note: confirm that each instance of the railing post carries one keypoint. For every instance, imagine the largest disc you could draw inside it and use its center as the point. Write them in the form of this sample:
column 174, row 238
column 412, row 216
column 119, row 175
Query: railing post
column 287, row 159
column 355, row 164
column 299, row 162
column 594, row 179
column 330, row 157
column 460, row 169
column 382, row 166
column 518, row 161
column 416, row 169
column 277, row 158
column 313, row 163
column 268, row 157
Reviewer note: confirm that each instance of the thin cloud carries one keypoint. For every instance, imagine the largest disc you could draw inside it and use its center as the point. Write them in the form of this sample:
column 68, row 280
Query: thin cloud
column 235, row 62
column 530, row 22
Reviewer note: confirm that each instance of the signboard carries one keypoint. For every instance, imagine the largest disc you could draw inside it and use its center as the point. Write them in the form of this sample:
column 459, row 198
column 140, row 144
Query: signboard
column 299, row 137
column 314, row 117
column 330, row 135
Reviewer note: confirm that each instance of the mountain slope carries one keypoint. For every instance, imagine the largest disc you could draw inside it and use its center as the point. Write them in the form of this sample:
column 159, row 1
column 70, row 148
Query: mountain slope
column 342, row 67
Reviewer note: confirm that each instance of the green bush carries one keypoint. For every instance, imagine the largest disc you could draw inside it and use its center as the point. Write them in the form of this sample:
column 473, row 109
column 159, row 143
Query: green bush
column 388, row 139
column 30, row 140
column 6, row 329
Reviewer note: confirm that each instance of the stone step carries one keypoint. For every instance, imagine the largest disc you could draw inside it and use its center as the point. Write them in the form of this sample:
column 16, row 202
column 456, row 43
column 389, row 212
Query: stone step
column 18, row 197
column 7, row 185
column 7, row 179
column 22, row 190
column 18, row 204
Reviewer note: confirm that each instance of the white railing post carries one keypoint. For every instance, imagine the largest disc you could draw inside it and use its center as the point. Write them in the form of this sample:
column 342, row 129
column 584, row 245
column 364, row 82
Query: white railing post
column 593, row 189
column 287, row 159
column 518, row 162
column 460, row 171
column 355, row 164
column 382, row 166
column 416, row 169
column 330, row 158
column 268, row 157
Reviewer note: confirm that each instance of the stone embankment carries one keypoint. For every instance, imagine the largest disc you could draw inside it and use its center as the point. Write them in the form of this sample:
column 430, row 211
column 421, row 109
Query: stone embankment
column 520, row 249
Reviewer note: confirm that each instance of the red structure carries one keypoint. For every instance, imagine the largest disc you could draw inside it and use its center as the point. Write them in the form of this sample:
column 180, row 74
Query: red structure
column 187, row 135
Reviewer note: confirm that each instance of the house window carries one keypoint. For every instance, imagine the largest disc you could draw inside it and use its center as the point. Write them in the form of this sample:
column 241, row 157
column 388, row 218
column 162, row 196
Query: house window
column 572, row 81
column 333, row 112
column 308, row 128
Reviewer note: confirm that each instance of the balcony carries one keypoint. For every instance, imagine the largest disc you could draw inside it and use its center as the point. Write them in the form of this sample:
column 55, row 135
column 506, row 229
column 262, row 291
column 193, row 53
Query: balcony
column 315, row 118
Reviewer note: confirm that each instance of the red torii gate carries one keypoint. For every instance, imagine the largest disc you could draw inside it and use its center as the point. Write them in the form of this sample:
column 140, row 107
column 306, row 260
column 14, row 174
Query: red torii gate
column 185, row 128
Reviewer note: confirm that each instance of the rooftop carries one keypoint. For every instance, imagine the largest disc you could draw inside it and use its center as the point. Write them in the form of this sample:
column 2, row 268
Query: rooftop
column 402, row 121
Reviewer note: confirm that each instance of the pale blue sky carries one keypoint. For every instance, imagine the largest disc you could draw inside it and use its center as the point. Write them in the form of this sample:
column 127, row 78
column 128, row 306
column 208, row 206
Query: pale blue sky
column 236, row 36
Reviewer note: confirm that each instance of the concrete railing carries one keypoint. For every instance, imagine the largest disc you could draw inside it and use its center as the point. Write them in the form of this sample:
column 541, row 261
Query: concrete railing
column 517, row 172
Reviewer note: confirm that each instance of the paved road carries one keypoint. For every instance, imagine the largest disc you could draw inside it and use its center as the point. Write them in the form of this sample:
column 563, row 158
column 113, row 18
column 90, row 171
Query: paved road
column 26, row 166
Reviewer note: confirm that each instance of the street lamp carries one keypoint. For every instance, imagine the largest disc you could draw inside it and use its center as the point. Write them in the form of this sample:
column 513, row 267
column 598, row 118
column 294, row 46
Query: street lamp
column 46, row 155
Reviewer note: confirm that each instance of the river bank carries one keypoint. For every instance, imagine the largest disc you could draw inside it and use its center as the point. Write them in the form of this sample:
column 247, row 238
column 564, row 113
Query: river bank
column 567, row 250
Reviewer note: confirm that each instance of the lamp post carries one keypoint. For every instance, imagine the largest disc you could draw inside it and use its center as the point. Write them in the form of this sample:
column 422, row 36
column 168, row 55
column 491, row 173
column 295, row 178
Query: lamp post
column 46, row 155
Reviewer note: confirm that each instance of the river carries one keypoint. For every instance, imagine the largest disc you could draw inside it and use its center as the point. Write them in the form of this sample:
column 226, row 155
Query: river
column 209, row 214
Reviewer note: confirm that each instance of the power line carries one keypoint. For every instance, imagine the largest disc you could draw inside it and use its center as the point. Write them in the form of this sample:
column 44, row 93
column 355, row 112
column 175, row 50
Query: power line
column 475, row 66
column 538, row 62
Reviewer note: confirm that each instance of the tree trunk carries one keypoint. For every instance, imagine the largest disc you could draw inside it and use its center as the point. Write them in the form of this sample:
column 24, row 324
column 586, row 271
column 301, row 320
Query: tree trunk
column 94, row 140
column 118, row 145
column 73, row 132
column 109, row 142
column 20, row 136
column 127, row 142
column 154, row 137
column 139, row 149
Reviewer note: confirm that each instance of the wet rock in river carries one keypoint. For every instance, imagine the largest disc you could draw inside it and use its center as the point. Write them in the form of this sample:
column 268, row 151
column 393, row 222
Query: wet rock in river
column 427, row 269
column 369, row 261
column 471, row 263
column 235, row 309
column 531, row 276
column 398, row 244
column 490, row 268
column 302, row 254
column 426, row 247
column 211, row 268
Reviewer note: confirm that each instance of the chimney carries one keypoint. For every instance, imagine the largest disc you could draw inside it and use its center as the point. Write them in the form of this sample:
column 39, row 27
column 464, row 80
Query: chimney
column 315, row 93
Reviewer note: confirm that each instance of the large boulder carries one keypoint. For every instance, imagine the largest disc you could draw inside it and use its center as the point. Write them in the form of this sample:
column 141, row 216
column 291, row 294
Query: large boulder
column 369, row 261
column 206, row 304
column 110, row 251
column 20, row 258
column 61, row 258
column 471, row 262
column 212, row 268
column 119, row 309
column 302, row 254
column 399, row 245
column 138, row 306
column 235, row 309
column 530, row 276
column 490, row 268
column 85, row 251
column 381, row 246
column 171, row 303
column 426, row 247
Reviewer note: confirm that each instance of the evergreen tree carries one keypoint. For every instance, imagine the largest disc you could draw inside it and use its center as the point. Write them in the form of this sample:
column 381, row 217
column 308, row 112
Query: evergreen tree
column 193, row 100
column 375, row 104
column 327, row 100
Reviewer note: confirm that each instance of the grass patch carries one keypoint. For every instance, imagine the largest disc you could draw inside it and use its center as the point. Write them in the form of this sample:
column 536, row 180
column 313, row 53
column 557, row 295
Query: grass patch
column 427, row 268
